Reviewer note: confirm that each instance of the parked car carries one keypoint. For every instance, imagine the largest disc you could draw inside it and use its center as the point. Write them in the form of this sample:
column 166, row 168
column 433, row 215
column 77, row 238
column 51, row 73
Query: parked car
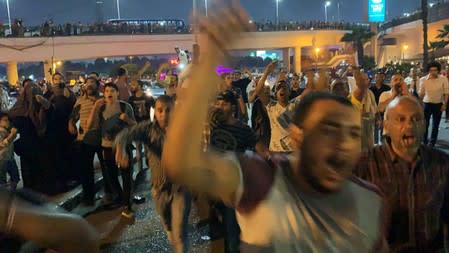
column 153, row 89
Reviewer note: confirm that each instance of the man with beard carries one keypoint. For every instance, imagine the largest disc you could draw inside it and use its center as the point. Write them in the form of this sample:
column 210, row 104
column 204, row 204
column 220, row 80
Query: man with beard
column 229, row 134
column 414, row 176
column 306, row 202
column 280, row 140
column 226, row 84
column 172, row 201
column 260, row 121
column 141, row 104
column 364, row 100
column 86, row 146
column 59, row 139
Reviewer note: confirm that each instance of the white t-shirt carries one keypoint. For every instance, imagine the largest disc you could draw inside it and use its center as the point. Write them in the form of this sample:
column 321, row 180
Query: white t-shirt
column 274, row 219
column 433, row 89
column 280, row 140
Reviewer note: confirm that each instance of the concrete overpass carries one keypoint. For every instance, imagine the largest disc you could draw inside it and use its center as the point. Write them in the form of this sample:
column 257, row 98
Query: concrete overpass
column 405, row 41
column 35, row 49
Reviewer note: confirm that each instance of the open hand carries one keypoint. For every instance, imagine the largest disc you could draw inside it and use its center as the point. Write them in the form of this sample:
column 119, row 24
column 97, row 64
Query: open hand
column 123, row 117
column 121, row 158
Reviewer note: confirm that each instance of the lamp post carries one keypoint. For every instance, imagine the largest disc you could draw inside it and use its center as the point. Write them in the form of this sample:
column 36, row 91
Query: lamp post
column 9, row 16
column 404, row 49
column 118, row 9
column 338, row 11
column 277, row 13
column 317, row 52
column 327, row 4
column 205, row 7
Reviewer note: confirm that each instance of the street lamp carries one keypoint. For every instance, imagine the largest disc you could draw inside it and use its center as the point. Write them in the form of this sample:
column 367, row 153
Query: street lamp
column 118, row 9
column 317, row 52
column 205, row 6
column 9, row 17
column 338, row 11
column 404, row 49
column 277, row 13
column 327, row 4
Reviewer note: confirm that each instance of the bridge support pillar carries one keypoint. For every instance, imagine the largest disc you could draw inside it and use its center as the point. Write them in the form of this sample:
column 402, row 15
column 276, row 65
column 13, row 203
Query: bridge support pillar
column 48, row 68
column 286, row 58
column 12, row 73
column 297, row 59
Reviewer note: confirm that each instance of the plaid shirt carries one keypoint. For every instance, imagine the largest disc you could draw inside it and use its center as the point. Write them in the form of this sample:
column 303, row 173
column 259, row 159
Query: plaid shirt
column 417, row 194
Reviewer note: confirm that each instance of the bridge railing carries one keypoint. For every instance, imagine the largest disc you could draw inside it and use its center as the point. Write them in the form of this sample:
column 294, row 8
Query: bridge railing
column 110, row 29
column 436, row 13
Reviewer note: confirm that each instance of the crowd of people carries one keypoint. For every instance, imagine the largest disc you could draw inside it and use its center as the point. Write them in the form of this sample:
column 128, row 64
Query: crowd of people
column 287, row 162
column 107, row 28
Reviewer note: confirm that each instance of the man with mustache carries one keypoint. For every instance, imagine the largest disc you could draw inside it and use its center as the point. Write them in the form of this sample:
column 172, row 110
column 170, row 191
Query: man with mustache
column 414, row 178
column 280, row 140
column 306, row 202
column 86, row 146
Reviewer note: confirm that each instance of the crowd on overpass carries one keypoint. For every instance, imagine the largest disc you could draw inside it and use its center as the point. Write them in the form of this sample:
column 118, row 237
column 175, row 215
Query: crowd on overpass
column 289, row 162
column 78, row 29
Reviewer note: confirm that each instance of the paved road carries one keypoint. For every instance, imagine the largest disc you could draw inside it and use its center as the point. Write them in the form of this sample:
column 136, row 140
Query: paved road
column 146, row 234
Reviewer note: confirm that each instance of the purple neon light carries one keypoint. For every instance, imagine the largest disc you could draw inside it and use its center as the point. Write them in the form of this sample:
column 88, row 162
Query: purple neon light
column 220, row 70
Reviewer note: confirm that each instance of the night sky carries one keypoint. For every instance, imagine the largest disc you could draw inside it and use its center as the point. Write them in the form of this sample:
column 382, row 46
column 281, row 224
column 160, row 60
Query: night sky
column 35, row 12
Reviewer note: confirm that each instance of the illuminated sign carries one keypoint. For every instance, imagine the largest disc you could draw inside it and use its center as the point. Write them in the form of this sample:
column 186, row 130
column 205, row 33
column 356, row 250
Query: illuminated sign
column 264, row 54
column 376, row 10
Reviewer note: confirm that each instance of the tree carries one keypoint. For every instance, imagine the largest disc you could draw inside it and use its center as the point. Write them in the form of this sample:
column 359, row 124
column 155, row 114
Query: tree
column 444, row 33
column 424, row 14
column 435, row 45
column 358, row 37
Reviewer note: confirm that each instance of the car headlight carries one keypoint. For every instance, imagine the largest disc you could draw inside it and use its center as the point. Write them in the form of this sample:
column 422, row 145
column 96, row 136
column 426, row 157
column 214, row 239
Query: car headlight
column 149, row 93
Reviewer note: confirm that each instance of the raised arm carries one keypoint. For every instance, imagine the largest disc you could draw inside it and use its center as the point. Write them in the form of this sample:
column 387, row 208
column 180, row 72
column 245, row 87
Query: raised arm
column 139, row 132
column 185, row 163
column 48, row 227
column 161, row 69
column 268, row 70
column 143, row 69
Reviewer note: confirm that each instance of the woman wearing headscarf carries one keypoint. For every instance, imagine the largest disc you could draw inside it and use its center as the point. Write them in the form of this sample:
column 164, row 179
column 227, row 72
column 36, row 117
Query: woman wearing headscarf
column 29, row 115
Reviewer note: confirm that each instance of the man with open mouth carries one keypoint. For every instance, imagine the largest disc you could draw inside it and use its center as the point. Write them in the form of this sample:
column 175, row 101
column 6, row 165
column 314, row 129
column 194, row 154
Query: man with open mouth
column 413, row 177
column 304, row 202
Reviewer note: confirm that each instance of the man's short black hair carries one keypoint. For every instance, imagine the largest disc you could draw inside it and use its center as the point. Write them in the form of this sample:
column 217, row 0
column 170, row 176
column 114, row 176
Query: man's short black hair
column 121, row 71
column 3, row 114
column 165, row 99
column 433, row 64
column 111, row 85
column 140, row 83
column 58, row 74
column 94, row 73
column 227, row 96
column 97, row 82
column 302, row 110
column 26, row 80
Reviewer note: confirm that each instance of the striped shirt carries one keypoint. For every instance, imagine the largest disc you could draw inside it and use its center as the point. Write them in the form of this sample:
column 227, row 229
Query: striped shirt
column 417, row 194
column 150, row 134
column 81, row 111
